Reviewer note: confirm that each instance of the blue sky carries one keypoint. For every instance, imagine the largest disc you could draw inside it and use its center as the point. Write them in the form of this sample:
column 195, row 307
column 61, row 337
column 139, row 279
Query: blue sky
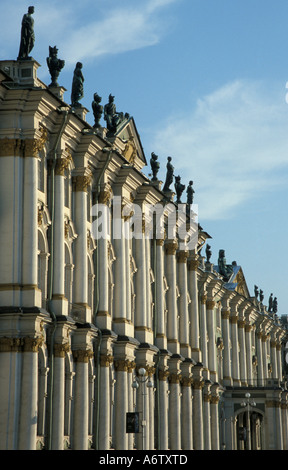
column 206, row 83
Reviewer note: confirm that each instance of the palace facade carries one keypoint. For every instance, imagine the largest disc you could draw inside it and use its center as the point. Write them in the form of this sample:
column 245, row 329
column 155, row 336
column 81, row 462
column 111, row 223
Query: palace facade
column 118, row 342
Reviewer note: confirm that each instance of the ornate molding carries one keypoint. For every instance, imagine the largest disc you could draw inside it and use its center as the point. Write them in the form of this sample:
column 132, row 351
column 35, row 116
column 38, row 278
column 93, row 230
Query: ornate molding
column 163, row 374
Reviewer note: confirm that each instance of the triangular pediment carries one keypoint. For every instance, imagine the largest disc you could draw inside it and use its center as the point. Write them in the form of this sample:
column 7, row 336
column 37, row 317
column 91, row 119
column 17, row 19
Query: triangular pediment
column 133, row 151
column 237, row 281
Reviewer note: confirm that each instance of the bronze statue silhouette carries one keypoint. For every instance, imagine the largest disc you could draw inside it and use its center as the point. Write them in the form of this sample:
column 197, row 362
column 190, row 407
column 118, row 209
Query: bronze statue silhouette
column 27, row 35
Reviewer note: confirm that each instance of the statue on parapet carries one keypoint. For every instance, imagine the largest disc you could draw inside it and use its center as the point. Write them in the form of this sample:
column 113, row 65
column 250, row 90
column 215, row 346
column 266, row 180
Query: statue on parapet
column 224, row 269
column 275, row 305
column 112, row 117
column 179, row 188
column 27, row 35
column 270, row 303
column 77, row 92
column 97, row 110
column 208, row 253
column 155, row 165
column 190, row 193
column 169, row 175
column 256, row 292
column 261, row 295
column 55, row 65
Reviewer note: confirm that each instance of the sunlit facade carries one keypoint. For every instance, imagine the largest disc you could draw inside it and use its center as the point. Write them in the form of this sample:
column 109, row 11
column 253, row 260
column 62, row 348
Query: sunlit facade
column 118, row 342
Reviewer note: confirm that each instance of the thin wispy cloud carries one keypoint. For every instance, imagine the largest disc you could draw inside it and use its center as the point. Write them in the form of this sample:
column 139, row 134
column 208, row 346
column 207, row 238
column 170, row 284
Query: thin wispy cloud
column 233, row 145
column 90, row 29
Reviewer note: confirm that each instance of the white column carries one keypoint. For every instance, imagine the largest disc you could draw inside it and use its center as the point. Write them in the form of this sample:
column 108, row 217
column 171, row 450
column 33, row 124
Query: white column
column 29, row 396
column 161, row 340
column 30, row 227
column 215, row 436
column 121, row 405
column 11, row 209
column 104, row 403
column 194, row 310
column 248, row 341
column 140, row 320
column 184, row 329
column 265, row 359
column 186, row 406
column 81, row 261
column 243, row 352
column 174, row 412
column 207, row 415
column 273, row 358
column 210, row 305
column 235, row 348
column 58, row 403
column 203, row 336
column 198, row 383
column 81, row 401
column 163, row 410
column 259, row 359
column 172, row 322
column 102, row 239
column 227, row 376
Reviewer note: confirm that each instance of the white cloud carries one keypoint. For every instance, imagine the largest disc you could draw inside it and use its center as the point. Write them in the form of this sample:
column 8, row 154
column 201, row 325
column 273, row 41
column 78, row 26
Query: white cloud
column 86, row 30
column 233, row 145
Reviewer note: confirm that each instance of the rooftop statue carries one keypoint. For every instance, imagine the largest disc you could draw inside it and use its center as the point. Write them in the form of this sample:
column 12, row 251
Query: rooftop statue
column 261, row 295
column 224, row 269
column 270, row 303
column 256, row 292
column 208, row 253
column 275, row 305
column 112, row 117
column 55, row 65
column 179, row 188
column 97, row 109
column 169, row 175
column 155, row 165
column 77, row 86
column 190, row 193
column 27, row 35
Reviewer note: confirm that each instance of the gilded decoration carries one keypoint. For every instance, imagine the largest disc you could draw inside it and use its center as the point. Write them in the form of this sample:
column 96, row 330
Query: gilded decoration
column 60, row 350
column 163, row 374
column 106, row 360
column 83, row 355
column 193, row 265
column 11, row 147
column 130, row 151
column 182, row 256
column 175, row 377
column 171, row 247
column 82, row 182
column 210, row 304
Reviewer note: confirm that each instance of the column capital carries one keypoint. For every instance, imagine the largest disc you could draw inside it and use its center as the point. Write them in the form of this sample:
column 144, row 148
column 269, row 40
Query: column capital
column 81, row 355
column 60, row 350
column 210, row 304
column 171, row 247
column 81, row 182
